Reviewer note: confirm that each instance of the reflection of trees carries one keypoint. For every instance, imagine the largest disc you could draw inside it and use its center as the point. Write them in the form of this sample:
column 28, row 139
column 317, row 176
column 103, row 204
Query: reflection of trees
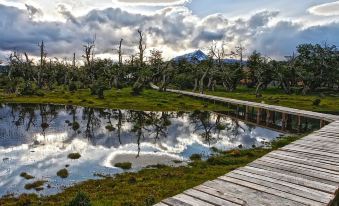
column 204, row 121
column 92, row 121
column 149, row 123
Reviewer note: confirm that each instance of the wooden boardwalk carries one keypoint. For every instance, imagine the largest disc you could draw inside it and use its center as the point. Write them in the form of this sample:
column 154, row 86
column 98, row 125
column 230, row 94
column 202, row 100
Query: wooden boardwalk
column 305, row 172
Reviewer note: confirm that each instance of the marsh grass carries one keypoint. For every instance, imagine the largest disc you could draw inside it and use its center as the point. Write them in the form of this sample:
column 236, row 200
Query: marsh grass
column 74, row 156
column 37, row 185
column 63, row 173
column 123, row 165
column 26, row 176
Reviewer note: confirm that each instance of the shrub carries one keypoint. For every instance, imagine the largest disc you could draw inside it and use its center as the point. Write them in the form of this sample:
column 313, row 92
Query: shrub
column 63, row 173
column 124, row 165
column 316, row 102
column 72, row 87
column 81, row 199
column 195, row 157
column 149, row 201
column 74, row 156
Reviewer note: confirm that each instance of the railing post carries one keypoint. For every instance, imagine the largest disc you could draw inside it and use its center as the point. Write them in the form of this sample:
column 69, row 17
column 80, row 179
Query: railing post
column 268, row 117
column 246, row 113
column 258, row 116
column 299, row 123
column 283, row 121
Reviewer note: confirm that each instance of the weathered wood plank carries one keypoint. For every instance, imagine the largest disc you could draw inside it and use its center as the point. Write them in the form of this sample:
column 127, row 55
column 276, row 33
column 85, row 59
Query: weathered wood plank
column 224, row 195
column 175, row 202
column 160, row 204
column 251, row 196
column 291, row 179
column 191, row 200
column 209, row 198
column 286, row 164
column 295, row 189
column 305, row 161
column 329, row 179
column 293, row 172
column 271, row 191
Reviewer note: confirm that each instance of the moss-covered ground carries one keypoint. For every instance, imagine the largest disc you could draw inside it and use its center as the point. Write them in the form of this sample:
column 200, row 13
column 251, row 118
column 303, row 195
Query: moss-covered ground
column 149, row 100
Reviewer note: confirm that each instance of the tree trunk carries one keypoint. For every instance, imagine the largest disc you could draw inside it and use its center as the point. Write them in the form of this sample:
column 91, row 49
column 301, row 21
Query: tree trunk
column 258, row 89
column 195, row 85
column 209, row 83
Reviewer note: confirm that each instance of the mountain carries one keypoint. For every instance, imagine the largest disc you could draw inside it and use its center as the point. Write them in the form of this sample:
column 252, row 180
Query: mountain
column 191, row 57
column 201, row 56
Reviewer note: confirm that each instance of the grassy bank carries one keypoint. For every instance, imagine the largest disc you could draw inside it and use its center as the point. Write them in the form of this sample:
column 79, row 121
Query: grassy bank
column 274, row 96
column 151, row 185
column 150, row 100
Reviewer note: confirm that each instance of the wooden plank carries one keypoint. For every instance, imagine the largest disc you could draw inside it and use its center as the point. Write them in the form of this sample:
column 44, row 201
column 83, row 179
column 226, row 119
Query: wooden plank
column 191, row 200
column 295, row 148
column 329, row 179
column 323, row 148
column 291, row 179
column 223, row 195
column 305, row 161
column 209, row 198
column 295, row 189
column 317, row 171
column 271, row 191
column 251, row 196
column 160, row 204
column 308, row 157
column 175, row 202
column 293, row 172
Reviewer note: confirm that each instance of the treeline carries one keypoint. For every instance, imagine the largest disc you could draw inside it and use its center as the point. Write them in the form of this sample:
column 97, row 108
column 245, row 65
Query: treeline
column 311, row 68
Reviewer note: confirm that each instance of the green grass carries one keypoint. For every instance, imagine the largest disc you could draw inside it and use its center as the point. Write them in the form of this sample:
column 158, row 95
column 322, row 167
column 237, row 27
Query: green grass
column 274, row 96
column 150, row 100
column 151, row 184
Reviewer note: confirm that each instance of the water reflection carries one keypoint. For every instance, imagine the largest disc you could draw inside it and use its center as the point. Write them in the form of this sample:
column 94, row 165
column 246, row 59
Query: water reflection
column 37, row 139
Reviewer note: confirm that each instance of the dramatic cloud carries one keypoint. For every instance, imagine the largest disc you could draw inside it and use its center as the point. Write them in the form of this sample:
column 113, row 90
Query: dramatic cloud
column 153, row 2
column 328, row 9
column 172, row 29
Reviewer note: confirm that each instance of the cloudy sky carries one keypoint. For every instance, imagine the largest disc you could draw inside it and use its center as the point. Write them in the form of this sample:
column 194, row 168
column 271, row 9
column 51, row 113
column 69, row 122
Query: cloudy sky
column 175, row 26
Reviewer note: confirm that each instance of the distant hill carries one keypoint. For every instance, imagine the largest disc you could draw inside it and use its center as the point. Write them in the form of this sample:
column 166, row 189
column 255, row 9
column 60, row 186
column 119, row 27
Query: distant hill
column 199, row 55
column 192, row 57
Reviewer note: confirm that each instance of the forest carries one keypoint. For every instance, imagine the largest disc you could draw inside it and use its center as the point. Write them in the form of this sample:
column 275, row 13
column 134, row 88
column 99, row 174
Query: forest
column 313, row 67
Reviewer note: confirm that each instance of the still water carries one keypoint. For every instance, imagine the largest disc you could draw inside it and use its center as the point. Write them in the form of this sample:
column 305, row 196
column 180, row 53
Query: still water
column 37, row 139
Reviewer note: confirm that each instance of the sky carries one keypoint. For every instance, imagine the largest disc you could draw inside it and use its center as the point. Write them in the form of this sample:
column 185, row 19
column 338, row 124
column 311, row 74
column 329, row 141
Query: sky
column 273, row 28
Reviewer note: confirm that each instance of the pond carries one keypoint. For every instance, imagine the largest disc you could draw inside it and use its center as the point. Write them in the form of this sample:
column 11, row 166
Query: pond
column 37, row 139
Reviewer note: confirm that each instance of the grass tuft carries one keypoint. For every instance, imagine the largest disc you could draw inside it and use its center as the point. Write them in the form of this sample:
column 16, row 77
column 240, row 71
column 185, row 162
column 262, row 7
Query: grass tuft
column 74, row 156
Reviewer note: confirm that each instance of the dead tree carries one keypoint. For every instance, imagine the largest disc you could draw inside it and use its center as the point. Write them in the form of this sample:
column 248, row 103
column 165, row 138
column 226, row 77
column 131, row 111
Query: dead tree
column 89, row 58
column 43, row 55
column 140, row 80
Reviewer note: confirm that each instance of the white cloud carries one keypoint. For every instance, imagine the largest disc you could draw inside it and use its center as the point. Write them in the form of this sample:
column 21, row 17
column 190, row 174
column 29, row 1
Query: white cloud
column 174, row 29
column 152, row 2
column 328, row 9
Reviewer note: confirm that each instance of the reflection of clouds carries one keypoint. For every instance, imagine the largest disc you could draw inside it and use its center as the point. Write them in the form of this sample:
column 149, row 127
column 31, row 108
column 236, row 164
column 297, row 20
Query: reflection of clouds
column 43, row 154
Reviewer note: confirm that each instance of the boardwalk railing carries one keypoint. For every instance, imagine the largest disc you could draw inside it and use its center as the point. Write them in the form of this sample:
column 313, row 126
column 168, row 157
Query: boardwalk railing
column 305, row 172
